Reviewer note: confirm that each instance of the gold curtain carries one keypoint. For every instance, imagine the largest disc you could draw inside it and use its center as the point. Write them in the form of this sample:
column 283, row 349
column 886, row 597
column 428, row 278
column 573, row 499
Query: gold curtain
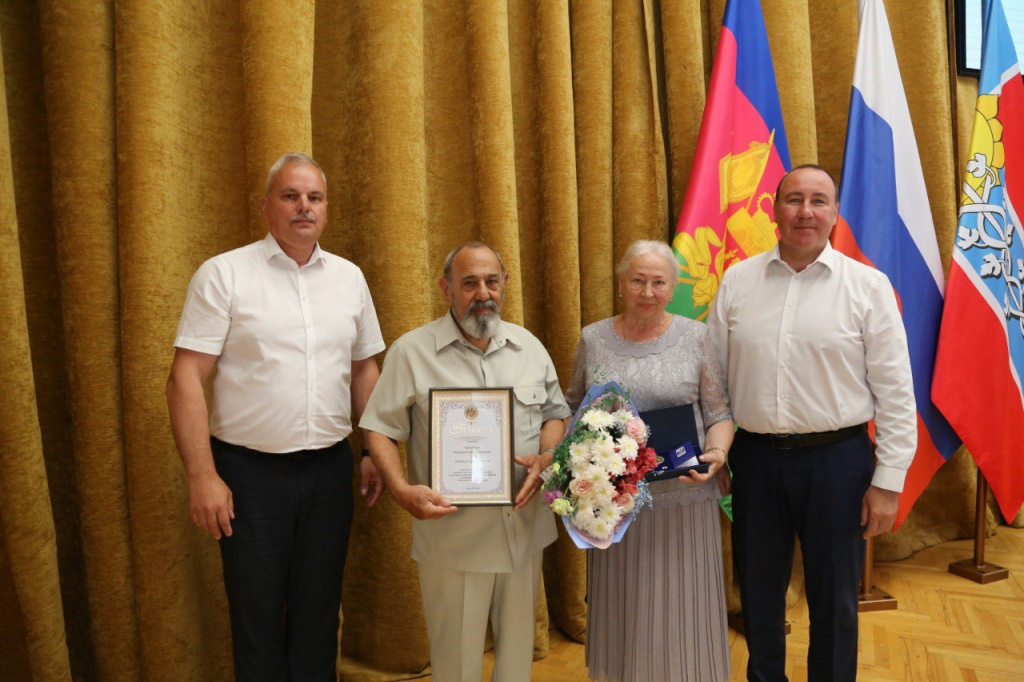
column 134, row 142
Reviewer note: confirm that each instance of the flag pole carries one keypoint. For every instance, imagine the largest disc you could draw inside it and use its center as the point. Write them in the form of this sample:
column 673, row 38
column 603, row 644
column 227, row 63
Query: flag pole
column 872, row 598
column 976, row 569
column 869, row 597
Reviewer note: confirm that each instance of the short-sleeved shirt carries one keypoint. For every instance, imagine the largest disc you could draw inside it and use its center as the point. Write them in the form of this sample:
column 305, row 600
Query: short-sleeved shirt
column 286, row 337
column 487, row 539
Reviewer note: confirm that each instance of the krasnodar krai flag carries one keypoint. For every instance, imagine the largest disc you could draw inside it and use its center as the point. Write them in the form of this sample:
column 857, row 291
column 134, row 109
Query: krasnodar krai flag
column 885, row 221
column 741, row 155
column 977, row 382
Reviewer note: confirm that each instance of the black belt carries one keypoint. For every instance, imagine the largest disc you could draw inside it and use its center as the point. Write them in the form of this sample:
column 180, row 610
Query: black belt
column 788, row 441
column 294, row 455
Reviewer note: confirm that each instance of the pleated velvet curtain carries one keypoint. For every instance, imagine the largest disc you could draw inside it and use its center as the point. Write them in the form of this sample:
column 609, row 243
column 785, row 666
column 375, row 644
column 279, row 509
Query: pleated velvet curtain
column 134, row 141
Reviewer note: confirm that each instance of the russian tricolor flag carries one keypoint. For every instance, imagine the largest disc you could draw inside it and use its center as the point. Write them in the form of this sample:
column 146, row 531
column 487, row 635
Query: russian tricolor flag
column 981, row 345
column 885, row 221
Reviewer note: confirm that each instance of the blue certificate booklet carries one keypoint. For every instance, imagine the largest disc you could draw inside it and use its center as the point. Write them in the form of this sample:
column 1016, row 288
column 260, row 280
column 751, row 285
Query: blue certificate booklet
column 673, row 436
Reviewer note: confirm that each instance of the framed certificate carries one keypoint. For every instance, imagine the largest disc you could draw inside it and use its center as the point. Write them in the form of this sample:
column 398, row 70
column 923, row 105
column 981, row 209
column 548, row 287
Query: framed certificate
column 471, row 445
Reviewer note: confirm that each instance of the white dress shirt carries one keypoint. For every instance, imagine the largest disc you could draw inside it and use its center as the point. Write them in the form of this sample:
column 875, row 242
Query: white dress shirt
column 286, row 338
column 817, row 350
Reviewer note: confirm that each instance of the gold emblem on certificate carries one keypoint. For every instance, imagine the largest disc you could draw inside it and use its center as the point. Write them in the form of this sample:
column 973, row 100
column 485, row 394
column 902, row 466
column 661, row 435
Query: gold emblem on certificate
column 471, row 445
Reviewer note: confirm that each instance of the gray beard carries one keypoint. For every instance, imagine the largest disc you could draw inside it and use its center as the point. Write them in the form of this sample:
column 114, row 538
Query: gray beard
column 481, row 326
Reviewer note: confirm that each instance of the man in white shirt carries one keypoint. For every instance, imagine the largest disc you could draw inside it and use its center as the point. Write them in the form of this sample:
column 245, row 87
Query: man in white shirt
column 292, row 332
column 813, row 347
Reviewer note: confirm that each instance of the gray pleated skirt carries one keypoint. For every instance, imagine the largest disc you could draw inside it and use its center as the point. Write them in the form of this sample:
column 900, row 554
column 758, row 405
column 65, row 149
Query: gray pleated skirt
column 656, row 600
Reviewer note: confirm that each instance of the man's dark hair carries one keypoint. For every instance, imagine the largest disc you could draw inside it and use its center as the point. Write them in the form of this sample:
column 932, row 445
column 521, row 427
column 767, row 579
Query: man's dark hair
column 835, row 185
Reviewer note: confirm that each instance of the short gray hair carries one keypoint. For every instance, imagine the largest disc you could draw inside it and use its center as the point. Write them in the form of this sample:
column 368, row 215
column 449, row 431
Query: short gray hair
column 642, row 247
column 469, row 245
column 296, row 158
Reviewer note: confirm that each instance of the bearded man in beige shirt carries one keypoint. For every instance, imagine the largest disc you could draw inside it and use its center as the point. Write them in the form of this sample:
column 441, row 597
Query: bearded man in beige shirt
column 475, row 563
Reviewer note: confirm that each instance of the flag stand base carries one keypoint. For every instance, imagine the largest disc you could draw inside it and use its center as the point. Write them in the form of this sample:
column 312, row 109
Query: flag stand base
column 876, row 600
column 976, row 569
column 983, row 573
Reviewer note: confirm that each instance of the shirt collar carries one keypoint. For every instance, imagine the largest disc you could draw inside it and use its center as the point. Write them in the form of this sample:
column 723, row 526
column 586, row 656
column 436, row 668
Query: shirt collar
column 827, row 257
column 271, row 249
column 448, row 332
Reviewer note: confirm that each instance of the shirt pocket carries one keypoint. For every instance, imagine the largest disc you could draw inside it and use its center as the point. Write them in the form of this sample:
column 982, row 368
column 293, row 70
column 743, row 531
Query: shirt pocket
column 529, row 399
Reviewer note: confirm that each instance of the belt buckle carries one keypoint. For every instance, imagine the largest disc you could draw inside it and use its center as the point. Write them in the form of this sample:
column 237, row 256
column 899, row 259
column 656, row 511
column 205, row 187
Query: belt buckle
column 781, row 442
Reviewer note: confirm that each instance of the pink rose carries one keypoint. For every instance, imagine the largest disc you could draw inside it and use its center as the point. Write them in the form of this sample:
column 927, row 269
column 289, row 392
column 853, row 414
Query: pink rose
column 637, row 430
column 581, row 487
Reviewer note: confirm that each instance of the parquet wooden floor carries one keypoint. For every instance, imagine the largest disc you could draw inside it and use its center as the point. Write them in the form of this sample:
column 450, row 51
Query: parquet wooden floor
column 945, row 629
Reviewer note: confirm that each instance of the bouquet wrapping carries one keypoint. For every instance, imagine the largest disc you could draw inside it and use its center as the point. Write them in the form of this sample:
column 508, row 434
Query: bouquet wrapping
column 595, row 482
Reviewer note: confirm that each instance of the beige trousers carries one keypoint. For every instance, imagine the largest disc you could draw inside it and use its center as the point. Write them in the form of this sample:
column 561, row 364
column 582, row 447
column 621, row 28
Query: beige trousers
column 457, row 605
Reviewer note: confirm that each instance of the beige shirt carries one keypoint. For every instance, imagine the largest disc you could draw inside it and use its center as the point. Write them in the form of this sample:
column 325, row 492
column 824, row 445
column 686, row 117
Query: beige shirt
column 286, row 338
column 486, row 539
column 817, row 350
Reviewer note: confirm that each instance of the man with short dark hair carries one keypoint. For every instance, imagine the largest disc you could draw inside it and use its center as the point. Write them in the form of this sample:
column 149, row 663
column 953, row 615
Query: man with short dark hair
column 475, row 563
column 813, row 347
column 292, row 332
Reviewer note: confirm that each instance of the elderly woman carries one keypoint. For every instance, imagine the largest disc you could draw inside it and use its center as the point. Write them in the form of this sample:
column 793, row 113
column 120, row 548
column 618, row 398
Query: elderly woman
column 657, row 598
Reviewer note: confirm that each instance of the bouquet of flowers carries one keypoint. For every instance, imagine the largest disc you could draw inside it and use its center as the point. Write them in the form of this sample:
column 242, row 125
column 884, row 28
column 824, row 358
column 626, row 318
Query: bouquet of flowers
column 596, row 481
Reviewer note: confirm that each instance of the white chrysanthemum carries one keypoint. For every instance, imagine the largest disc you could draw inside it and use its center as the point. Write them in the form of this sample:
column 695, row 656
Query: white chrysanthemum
column 584, row 519
column 611, row 462
column 594, row 473
column 628, row 448
column 623, row 417
column 601, row 454
column 579, row 456
column 615, row 466
column 603, row 447
column 602, row 529
column 598, row 420
column 603, row 490
column 612, row 514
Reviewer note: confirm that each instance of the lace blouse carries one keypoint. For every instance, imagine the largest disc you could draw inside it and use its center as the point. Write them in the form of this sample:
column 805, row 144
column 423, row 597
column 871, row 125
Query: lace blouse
column 677, row 368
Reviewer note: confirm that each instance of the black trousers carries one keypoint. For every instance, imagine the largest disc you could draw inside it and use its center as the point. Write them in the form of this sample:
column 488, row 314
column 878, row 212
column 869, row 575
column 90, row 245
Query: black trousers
column 814, row 493
column 284, row 561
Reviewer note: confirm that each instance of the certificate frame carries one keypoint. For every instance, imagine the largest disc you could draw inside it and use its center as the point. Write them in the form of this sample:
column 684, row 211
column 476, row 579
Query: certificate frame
column 471, row 445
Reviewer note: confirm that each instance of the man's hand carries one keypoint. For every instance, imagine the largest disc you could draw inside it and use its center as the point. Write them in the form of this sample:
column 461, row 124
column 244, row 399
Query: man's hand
column 715, row 459
column 534, row 464
column 423, row 503
column 210, row 504
column 878, row 511
column 724, row 480
column 370, row 485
